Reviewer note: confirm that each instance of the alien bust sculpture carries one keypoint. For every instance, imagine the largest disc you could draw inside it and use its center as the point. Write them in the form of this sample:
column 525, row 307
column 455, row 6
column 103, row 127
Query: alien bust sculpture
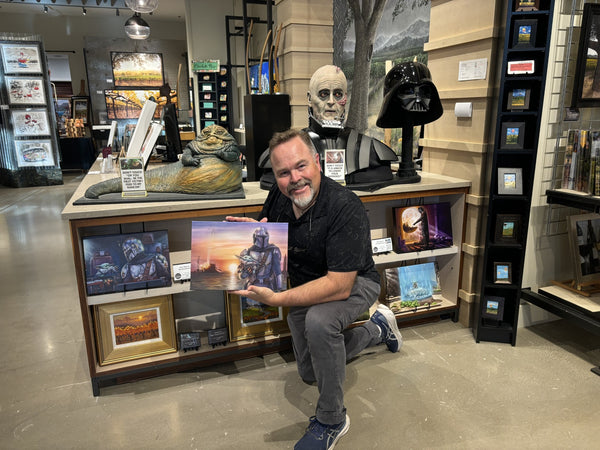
column 367, row 159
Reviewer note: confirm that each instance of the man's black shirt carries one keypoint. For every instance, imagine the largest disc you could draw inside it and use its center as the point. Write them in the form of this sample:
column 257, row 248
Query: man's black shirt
column 333, row 235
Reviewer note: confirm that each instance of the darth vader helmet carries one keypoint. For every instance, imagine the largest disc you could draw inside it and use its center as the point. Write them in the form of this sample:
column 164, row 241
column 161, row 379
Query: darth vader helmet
column 409, row 97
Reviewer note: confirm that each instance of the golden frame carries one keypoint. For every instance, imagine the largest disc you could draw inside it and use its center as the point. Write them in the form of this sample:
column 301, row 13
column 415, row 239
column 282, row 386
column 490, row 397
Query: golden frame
column 159, row 327
column 263, row 327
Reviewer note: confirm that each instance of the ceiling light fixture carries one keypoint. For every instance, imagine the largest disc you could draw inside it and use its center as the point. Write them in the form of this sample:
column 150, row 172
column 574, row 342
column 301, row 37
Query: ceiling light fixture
column 83, row 11
column 118, row 13
column 137, row 28
column 45, row 9
column 142, row 6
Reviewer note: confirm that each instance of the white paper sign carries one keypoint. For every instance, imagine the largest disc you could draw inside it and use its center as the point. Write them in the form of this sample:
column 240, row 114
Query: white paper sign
column 335, row 165
column 474, row 69
column 132, row 177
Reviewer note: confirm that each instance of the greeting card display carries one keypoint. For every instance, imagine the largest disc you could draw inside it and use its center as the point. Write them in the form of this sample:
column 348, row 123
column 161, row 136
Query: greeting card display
column 424, row 227
column 126, row 262
column 234, row 255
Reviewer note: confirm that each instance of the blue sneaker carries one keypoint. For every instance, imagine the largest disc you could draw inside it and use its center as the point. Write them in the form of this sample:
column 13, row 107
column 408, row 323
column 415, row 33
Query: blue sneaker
column 319, row 436
column 390, row 334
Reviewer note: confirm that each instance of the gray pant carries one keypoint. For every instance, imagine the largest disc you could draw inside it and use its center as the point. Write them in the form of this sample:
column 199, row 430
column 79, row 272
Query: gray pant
column 322, row 344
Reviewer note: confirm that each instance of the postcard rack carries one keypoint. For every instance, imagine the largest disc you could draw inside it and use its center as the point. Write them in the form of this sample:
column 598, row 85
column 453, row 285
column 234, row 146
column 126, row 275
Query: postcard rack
column 176, row 217
column 521, row 94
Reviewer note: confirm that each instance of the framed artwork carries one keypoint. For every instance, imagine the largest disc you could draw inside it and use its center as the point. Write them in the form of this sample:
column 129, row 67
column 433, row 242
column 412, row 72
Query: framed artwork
column 137, row 69
column 80, row 108
column 134, row 329
column 21, row 58
column 231, row 256
column 126, row 262
column 34, row 153
column 521, row 67
column 584, row 232
column 30, row 122
column 493, row 307
column 524, row 33
column 248, row 319
column 418, row 283
column 422, row 227
column 508, row 228
column 502, row 272
column 518, row 99
column 26, row 91
column 128, row 103
column 587, row 77
column 527, row 5
column 512, row 135
column 510, row 181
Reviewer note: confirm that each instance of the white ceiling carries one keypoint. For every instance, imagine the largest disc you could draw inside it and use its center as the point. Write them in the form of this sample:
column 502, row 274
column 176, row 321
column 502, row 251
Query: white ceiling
column 171, row 10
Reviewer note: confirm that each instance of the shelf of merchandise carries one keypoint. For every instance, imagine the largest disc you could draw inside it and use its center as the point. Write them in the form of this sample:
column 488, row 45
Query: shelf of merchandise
column 214, row 96
column 176, row 218
column 522, row 156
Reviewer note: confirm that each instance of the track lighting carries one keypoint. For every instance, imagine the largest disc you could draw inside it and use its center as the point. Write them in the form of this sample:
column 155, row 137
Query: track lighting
column 83, row 11
column 137, row 28
column 118, row 13
column 45, row 9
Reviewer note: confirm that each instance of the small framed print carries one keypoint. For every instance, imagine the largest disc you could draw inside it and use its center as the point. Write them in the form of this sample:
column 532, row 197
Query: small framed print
column 493, row 307
column 80, row 108
column 21, row 58
column 513, row 135
column 223, row 97
column 527, row 5
column 207, row 96
column 583, row 230
column 502, row 273
column 524, row 33
column 521, row 67
column 510, row 181
column 34, row 153
column 518, row 99
column 30, row 122
column 248, row 319
column 26, row 91
column 134, row 329
column 508, row 228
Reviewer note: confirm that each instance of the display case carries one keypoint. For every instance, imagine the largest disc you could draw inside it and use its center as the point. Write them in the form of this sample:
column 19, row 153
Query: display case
column 86, row 221
column 214, row 97
column 522, row 84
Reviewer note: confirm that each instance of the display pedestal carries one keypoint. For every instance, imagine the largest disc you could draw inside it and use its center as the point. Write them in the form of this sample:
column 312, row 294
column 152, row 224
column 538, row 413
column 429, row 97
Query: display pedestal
column 265, row 115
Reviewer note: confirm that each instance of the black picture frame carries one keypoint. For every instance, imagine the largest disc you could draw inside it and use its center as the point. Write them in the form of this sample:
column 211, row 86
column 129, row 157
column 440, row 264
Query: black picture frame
column 502, row 272
column 508, row 229
column 510, row 181
column 513, row 136
column 518, row 99
column 524, row 33
column 587, row 73
column 493, row 307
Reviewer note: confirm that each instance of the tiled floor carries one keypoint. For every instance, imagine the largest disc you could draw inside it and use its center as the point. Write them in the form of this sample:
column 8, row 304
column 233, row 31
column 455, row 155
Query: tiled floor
column 442, row 390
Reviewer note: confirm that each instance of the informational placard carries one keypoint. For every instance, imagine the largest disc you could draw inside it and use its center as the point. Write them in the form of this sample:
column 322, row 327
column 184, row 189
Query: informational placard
column 206, row 65
column 382, row 245
column 132, row 177
column 335, row 165
column 474, row 69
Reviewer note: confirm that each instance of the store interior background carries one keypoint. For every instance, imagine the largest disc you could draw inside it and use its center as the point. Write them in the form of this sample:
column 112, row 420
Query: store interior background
column 459, row 30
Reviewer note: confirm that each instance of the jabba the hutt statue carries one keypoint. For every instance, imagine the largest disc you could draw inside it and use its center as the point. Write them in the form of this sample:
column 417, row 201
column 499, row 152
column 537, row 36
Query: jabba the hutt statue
column 210, row 164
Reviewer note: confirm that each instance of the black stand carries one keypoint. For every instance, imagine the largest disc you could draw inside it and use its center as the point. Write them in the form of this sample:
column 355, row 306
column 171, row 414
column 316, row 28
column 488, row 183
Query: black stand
column 407, row 173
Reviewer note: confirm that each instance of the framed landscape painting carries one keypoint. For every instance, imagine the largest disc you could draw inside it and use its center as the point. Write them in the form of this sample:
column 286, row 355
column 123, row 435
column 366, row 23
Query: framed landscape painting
column 587, row 72
column 249, row 319
column 137, row 69
column 134, row 329
column 128, row 103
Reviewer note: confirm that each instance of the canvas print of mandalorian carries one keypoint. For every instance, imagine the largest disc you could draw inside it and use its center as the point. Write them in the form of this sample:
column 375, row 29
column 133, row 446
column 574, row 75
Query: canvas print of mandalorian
column 234, row 255
column 126, row 262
